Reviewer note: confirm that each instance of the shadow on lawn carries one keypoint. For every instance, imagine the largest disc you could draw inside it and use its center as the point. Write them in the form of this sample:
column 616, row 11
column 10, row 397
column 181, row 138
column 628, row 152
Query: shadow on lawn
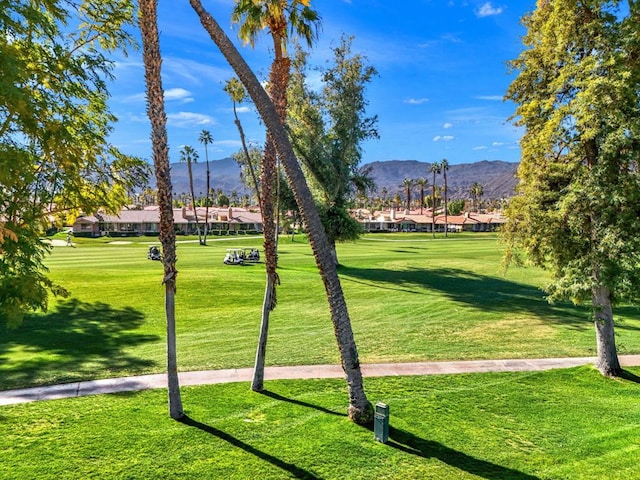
column 294, row 470
column 277, row 396
column 487, row 293
column 409, row 443
column 74, row 342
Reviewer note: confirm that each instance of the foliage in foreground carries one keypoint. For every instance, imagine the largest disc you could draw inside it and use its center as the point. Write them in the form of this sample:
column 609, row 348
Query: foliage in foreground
column 517, row 426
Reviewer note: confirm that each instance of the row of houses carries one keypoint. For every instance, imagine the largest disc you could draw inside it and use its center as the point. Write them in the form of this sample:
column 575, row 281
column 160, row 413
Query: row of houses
column 230, row 221
column 135, row 222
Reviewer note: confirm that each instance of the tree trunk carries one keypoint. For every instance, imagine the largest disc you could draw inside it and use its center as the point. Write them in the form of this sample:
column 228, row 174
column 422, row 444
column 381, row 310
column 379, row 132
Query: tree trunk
column 193, row 201
column 446, row 214
column 158, row 119
column 257, row 383
column 206, row 206
column 607, row 362
column 360, row 409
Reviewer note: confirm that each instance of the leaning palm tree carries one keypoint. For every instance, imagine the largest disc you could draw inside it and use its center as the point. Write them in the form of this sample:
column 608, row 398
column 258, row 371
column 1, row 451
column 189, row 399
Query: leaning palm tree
column 189, row 156
column 360, row 409
column 206, row 138
column 444, row 165
column 158, row 119
column 408, row 185
column 435, row 169
column 279, row 17
column 236, row 91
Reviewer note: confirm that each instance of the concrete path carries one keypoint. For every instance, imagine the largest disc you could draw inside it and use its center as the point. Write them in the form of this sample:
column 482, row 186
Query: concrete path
column 207, row 377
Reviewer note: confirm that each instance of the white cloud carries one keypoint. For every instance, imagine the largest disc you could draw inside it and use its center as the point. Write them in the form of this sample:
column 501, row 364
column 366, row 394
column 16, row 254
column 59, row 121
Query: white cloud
column 447, row 125
column 488, row 10
column 178, row 94
column 189, row 119
column 416, row 101
column 498, row 98
column 497, row 144
column 443, row 138
column 481, row 147
column 243, row 109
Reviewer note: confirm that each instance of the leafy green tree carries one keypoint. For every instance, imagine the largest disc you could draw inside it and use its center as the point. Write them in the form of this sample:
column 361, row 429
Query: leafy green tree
column 55, row 159
column 280, row 18
column 578, row 98
column 148, row 19
column 327, row 130
column 456, row 206
column 206, row 138
column 360, row 409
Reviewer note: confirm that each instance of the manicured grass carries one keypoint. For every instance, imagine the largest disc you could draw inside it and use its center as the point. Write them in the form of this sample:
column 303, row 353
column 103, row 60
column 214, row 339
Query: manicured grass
column 563, row 424
column 410, row 298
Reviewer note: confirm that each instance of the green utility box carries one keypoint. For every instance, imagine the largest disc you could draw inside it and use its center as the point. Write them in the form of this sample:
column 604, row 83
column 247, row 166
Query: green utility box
column 381, row 422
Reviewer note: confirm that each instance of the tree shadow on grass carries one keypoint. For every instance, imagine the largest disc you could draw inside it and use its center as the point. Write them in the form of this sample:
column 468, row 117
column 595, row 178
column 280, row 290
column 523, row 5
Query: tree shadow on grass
column 410, row 443
column 277, row 396
column 294, row 470
column 77, row 341
column 486, row 293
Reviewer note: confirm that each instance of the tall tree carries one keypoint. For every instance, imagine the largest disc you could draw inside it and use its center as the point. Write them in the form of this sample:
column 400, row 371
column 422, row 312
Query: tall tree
column 422, row 182
column 206, row 138
column 279, row 18
column 476, row 190
column 444, row 166
column 408, row 185
column 159, row 143
column 237, row 93
column 360, row 409
column 189, row 156
column 328, row 129
column 578, row 99
column 435, row 169
column 55, row 159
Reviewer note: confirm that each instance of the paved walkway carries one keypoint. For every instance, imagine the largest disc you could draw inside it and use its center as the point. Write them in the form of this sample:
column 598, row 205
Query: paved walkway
column 207, row 377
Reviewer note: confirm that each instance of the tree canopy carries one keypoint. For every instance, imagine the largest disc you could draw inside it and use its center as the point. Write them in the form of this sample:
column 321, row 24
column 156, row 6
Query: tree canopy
column 578, row 99
column 55, row 159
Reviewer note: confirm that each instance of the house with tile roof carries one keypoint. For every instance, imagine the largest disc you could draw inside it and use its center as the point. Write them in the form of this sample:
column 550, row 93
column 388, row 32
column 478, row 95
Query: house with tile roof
column 136, row 222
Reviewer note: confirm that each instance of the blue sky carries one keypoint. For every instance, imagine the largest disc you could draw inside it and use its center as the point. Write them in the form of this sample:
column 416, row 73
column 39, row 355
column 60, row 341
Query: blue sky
column 442, row 76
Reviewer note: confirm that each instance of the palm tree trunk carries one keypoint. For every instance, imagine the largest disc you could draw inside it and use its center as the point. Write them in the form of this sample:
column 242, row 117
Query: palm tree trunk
column 158, row 119
column 193, row 201
column 444, row 194
column 206, row 207
column 360, row 409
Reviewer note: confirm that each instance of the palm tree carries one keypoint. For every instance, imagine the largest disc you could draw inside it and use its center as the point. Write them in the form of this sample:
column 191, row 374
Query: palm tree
column 278, row 17
column 360, row 409
column 236, row 91
column 206, row 138
column 384, row 193
column 155, row 110
column 408, row 184
column 476, row 192
column 421, row 182
column 189, row 155
column 444, row 165
column 435, row 169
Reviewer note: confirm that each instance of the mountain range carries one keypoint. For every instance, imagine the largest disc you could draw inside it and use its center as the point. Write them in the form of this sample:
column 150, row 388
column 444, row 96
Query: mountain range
column 497, row 178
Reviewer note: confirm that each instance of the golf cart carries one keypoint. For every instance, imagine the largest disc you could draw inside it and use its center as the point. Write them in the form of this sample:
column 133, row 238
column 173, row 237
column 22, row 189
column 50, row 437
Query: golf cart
column 251, row 255
column 234, row 256
column 154, row 253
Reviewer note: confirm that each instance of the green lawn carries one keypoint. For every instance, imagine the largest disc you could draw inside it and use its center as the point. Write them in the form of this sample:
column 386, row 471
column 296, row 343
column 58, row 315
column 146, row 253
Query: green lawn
column 563, row 424
column 410, row 297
